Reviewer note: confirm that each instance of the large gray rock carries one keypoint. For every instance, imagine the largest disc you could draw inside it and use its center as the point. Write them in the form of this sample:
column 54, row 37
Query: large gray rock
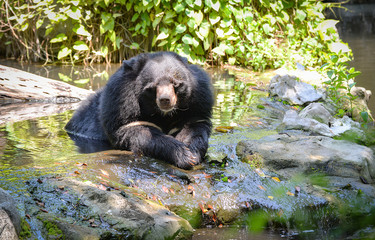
column 287, row 88
column 303, row 154
column 104, row 214
column 10, row 220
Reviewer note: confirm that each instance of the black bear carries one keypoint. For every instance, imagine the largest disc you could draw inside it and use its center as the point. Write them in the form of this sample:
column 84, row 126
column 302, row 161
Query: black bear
column 156, row 104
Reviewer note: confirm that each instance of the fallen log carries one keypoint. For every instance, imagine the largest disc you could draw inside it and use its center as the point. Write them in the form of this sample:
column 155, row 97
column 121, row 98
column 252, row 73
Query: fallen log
column 25, row 95
column 21, row 86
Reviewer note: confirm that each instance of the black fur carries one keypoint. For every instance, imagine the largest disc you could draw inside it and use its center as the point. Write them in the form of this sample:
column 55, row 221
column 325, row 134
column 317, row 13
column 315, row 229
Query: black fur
column 129, row 97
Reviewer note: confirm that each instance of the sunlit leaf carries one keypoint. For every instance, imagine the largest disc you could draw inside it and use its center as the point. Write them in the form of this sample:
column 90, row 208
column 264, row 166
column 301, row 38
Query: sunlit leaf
column 162, row 35
column 214, row 18
column 276, row 179
column 180, row 28
column 80, row 46
column 82, row 81
column 59, row 38
column 64, row 52
column 290, row 193
column 261, row 188
column 223, row 129
column 80, row 30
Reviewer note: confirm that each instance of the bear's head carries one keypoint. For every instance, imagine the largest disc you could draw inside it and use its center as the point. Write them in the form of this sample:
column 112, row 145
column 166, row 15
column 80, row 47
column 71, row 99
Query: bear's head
column 166, row 81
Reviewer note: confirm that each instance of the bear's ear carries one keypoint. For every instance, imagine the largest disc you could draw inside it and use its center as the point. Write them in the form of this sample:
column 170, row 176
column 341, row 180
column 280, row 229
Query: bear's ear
column 136, row 63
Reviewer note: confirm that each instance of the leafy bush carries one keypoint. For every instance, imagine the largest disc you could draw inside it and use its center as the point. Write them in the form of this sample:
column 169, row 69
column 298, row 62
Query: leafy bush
column 258, row 33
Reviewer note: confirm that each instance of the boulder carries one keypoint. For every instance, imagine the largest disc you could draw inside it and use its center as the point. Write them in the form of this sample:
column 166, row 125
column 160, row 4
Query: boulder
column 103, row 213
column 10, row 220
column 287, row 88
column 305, row 154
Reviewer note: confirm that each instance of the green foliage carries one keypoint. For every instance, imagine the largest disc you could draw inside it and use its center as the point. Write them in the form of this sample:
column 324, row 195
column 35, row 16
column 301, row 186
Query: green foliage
column 259, row 33
column 340, row 83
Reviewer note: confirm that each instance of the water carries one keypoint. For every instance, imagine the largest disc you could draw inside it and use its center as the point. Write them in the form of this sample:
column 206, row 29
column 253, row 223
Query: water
column 363, row 47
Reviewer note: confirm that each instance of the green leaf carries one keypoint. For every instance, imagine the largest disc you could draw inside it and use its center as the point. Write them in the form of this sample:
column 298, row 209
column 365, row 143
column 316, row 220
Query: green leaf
column 334, row 58
column 330, row 73
column 162, row 35
column 198, row 17
column 168, row 18
column 63, row 53
column 24, row 26
column 107, row 2
column 64, row 77
column 112, row 36
column 301, row 15
column 76, row 14
column 80, row 46
column 108, row 22
column 39, row 23
column 82, row 81
column 216, row 6
column 267, row 28
column 204, row 29
column 80, row 30
column 232, row 60
column 214, row 18
column 179, row 7
column 188, row 39
column 162, row 43
column 157, row 20
column 134, row 46
column 59, row 38
column 180, row 28
column 364, row 116
column 135, row 17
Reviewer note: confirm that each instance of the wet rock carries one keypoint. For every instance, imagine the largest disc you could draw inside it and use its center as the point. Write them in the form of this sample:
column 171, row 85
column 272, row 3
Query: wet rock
column 293, row 121
column 288, row 155
column 82, row 211
column 318, row 112
column 10, row 220
column 309, row 121
column 287, row 88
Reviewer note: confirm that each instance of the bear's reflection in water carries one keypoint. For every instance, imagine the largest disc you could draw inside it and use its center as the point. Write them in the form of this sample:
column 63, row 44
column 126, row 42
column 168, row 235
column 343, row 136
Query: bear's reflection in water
column 86, row 145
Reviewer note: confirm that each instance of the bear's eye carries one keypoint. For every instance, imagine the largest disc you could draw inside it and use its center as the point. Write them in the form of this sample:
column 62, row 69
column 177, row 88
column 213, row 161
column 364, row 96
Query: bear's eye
column 176, row 84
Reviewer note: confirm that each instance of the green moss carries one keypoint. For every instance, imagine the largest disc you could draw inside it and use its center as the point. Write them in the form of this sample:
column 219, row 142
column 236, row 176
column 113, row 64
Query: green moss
column 53, row 231
column 255, row 160
column 25, row 230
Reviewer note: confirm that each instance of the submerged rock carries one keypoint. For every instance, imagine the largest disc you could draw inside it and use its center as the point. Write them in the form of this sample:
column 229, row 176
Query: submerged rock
column 288, row 155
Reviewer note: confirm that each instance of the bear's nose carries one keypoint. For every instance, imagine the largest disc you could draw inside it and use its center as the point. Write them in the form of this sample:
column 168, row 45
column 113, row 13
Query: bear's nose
column 165, row 101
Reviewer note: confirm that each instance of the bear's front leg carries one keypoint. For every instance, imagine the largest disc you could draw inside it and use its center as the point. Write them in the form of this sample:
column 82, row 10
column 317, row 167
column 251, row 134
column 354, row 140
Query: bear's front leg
column 151, row 142
column 195, row 135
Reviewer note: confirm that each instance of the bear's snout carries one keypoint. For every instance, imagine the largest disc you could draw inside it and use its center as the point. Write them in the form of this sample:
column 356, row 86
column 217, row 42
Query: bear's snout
column 166, row 97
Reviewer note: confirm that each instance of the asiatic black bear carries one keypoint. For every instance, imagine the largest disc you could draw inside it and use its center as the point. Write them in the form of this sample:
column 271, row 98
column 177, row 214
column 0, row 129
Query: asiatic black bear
column 156, row 104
